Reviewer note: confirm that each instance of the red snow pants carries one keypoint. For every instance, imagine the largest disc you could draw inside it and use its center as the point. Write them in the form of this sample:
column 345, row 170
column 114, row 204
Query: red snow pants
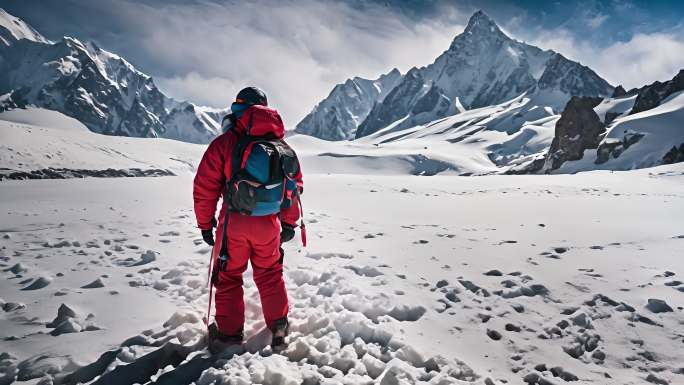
column 255, row 239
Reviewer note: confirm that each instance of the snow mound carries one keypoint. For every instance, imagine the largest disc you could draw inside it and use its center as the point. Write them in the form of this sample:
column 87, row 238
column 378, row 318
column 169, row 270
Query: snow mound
column 339, row 345
column 43, row 118
column 35, row 139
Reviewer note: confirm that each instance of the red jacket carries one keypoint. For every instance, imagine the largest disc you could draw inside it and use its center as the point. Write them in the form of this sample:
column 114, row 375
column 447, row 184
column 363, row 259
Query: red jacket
column 215, row 167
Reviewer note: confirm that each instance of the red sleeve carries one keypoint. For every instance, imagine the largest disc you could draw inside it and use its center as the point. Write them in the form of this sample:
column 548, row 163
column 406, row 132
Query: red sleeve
column 291, row 214
column 209, row 182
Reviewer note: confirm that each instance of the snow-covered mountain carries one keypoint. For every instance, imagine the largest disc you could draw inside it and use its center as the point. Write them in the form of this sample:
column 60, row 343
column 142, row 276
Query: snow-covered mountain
column 482, row 67
column 518, row 136
column 94, row 86
column 347, row 105
column 491, row 104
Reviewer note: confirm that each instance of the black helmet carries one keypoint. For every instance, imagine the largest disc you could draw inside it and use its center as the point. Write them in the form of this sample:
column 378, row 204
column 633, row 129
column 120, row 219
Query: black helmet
column 251, row 96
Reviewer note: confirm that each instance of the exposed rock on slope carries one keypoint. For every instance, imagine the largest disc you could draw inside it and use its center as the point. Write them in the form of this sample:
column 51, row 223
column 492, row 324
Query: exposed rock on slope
column 652, row 95
column 626, row 139
column 578, row 129
column 619, row 91
column 400, row 100
column 613, row 148
column 675, row 155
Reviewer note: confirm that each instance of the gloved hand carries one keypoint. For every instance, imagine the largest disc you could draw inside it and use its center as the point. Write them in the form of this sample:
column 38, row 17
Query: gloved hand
column 208, row 235
column 287, row 232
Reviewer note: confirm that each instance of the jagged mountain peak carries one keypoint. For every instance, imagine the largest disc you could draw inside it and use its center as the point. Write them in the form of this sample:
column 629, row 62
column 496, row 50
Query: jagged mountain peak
column 481, row 33
column 481, row 23
column 393, row 74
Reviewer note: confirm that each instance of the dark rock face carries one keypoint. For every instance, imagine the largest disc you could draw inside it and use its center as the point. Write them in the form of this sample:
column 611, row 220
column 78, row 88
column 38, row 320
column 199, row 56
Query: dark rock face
column 65, row 173
column 572, row 78
column 675, row 155
column 579, row 128
column 610, row 117
column 652, row 95
column 619, row 91
column 429, row 101
column 529, row 168
column 614, row 148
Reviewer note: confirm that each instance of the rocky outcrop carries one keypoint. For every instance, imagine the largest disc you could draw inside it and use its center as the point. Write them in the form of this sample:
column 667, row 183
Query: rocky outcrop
column 65, row 173
column 531, row 167
column 675, row 155
column 432, row 100
column 619, row 92
column 578, row 129
column 652, row 95
column 613, row 148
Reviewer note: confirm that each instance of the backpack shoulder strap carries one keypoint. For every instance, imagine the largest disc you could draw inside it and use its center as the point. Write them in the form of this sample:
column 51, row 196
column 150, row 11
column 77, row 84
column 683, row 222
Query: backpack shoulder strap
column 242, row 142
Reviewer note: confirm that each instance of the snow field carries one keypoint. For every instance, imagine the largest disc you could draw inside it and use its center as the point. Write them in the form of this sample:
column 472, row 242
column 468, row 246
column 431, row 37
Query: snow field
column 500, row 279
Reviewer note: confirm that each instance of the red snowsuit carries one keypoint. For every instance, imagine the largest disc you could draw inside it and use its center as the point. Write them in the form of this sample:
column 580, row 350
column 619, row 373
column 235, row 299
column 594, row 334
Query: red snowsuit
column 250, row 238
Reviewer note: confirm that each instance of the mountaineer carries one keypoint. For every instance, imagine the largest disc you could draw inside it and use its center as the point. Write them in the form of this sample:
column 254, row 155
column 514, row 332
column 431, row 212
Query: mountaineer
column 259, row 178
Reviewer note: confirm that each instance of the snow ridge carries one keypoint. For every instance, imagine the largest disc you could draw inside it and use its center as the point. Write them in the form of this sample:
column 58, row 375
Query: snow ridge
column 347, row 105
column 13, row 29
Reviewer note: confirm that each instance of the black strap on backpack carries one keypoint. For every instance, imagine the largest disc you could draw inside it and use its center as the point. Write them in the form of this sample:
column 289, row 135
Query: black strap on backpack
column 235, row 160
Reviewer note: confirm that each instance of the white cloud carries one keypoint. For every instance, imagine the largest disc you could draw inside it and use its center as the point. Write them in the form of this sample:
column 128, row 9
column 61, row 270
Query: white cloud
column 295, row 51
column 198, row 89
column 596, row 20
column 643, row 59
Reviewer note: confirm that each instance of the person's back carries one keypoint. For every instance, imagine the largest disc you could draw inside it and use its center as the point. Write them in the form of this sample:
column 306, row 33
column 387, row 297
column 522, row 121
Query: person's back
column 259, row 213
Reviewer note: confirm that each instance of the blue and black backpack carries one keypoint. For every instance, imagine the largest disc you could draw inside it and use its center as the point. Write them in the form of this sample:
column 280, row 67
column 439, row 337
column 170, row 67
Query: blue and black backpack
column 263, row 180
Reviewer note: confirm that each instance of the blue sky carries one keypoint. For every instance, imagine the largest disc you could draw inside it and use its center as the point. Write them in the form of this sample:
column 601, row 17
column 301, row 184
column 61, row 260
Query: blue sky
column 205, row 50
